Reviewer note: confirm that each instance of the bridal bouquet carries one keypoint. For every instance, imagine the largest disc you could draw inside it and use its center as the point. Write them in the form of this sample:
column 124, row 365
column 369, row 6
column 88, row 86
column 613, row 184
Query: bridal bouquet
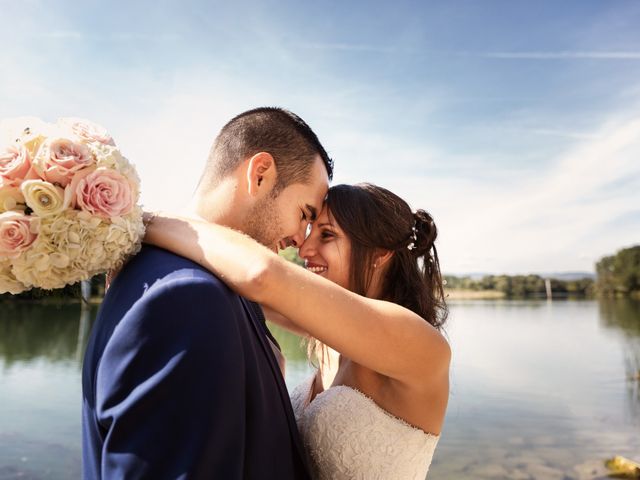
column 68, row 204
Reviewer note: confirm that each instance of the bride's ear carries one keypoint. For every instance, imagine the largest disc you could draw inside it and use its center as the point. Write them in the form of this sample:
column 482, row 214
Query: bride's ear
column 381, row 257
column 261, row 173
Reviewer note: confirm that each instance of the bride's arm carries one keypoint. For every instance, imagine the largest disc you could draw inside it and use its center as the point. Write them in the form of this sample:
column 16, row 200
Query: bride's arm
column 380, row 335
column 271, row 315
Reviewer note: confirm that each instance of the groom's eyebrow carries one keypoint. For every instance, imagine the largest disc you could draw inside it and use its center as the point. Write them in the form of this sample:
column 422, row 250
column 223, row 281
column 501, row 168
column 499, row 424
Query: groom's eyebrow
column 313, row 212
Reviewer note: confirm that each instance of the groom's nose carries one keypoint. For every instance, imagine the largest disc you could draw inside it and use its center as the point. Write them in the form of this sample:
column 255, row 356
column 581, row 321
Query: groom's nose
column 307, row 249
column 298, row 238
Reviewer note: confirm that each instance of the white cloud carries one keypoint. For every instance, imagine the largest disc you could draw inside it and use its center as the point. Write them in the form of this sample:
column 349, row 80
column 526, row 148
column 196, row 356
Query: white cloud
column 553, row 220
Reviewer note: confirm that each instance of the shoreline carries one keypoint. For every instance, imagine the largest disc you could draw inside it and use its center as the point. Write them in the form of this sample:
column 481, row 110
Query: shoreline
column 450, row 294
column 461, row 294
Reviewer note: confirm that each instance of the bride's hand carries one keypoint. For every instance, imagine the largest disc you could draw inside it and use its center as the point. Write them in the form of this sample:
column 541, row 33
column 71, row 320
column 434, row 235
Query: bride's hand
column 147, row 218
column 110, row 276
column 235, row 258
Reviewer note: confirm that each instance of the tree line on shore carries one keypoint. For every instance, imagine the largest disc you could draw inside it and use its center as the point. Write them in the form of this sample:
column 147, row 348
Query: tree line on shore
column 519, row 286
column 617, row 275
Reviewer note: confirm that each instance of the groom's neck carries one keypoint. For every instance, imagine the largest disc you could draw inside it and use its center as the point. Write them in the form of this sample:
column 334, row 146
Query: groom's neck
column 219, row 205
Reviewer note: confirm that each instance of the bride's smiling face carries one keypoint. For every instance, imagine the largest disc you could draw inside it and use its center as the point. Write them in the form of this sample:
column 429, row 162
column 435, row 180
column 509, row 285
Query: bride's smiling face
column 327, row 250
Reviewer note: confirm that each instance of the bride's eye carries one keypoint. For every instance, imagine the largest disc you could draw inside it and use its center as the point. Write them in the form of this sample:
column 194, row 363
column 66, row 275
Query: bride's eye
column 327, row 234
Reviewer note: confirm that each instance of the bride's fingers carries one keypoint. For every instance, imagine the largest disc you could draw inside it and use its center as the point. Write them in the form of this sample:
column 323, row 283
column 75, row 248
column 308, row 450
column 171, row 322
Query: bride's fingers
column 111, row 275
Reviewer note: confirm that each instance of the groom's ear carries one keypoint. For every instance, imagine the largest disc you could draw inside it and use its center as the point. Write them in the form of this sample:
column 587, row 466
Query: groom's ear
column 261, row 173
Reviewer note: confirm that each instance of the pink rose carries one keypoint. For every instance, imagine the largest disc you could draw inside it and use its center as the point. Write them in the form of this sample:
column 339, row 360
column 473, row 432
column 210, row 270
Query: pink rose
column 14, row 165
column 59, row 159
column 103, row 192
column 88, row 131
column 17, row 233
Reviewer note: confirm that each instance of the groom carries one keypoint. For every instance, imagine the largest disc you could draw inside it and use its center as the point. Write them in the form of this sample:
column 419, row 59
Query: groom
column 179, row 377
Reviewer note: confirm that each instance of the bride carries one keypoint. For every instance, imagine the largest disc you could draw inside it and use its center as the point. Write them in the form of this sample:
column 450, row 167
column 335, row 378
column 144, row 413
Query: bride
column 372, row 292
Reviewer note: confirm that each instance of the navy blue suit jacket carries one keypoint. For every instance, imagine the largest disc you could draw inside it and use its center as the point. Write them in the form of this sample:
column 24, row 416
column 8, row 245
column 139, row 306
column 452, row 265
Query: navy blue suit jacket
column 179, row 381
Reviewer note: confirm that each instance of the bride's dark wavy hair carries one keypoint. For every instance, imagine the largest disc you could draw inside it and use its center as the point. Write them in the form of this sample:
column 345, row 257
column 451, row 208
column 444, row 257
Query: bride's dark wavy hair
column 374, row 219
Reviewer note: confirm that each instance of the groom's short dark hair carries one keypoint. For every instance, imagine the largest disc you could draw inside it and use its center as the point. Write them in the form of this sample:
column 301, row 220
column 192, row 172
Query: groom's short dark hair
column 277, row 131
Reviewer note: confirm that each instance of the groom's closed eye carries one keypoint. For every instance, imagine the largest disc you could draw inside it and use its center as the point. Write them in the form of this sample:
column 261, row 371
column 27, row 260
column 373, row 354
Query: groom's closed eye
column 312, row 213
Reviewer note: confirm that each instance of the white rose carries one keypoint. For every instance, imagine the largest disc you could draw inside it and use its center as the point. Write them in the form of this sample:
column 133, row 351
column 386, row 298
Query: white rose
column 44, row 198
column 74, row 245
column 11, row 198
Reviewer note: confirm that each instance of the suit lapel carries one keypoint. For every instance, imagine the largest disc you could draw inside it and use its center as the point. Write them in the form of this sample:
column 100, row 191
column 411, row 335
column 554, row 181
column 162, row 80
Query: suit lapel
column 275, row 370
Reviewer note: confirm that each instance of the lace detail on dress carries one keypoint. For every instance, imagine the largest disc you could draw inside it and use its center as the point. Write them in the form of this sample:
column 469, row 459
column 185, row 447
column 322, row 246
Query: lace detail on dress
column 348, row 436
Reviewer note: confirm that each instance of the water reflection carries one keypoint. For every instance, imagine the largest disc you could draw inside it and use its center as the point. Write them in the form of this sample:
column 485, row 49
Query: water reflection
column 538, row 391
column 84, row 329
column 623, row 317
column 29, row 332
column 41, row 348
column 538, row 388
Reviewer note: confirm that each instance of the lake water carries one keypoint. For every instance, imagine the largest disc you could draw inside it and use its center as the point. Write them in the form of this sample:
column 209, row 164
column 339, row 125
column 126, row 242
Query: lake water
column 538, row 390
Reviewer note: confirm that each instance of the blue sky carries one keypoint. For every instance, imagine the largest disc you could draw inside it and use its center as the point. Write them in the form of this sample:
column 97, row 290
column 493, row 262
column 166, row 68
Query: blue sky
column 516, row 124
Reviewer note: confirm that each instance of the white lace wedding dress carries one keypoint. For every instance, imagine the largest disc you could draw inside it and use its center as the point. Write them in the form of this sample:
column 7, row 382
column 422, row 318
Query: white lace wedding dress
column 348, row 436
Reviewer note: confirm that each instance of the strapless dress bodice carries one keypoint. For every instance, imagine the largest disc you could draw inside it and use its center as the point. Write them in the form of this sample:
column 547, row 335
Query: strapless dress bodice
column 348, row 436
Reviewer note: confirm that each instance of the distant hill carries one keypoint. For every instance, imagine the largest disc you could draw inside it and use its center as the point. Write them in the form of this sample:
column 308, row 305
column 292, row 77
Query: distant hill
column 566, row 276
column 569, row 275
